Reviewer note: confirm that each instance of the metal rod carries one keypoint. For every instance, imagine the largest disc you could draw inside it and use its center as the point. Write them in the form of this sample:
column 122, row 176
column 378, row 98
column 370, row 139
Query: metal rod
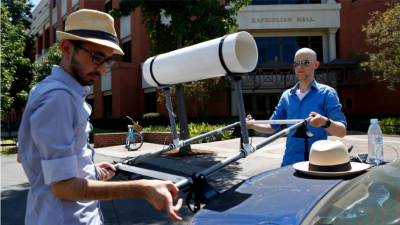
column 170, row 112
column 281, row 133
column 273, row 121
column 150, row 155
column 242, row 113
column 150, row 173
column 211, row 170
column 208, row 134
column 156, row 153
column 222, row 164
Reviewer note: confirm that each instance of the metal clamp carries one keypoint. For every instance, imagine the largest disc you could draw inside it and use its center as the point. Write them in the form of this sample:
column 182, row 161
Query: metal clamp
column 248, row 149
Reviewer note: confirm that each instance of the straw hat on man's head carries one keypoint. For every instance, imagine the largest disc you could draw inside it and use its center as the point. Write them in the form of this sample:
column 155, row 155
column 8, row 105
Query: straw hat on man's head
column 329, row 159
column 93, row 26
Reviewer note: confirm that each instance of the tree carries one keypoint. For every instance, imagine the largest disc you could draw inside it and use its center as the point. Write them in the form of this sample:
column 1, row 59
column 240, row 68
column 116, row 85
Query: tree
column 12, row 48
column 383, row 31
column 191, row 22
column 19, row 11
column 43, row 69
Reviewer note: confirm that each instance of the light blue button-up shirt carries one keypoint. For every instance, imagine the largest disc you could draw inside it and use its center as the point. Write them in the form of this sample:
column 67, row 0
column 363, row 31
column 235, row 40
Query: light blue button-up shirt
column 321, row 99
column 53, row 146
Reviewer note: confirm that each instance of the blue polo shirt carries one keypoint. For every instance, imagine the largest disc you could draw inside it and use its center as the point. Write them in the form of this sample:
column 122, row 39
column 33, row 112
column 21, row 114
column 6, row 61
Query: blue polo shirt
column 53, row 146
column 321, row 99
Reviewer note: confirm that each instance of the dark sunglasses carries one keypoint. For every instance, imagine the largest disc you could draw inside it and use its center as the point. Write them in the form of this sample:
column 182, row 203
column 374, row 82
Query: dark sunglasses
column 305, row 63
column 98, row 59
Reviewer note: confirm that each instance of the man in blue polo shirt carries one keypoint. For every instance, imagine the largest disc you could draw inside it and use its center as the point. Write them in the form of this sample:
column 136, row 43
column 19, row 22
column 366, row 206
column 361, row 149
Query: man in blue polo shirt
column 307, row 98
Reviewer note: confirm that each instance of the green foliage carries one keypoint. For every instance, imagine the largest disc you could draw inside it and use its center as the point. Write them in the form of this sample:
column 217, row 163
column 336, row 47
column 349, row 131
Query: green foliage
column 12, row 48
column 43, row 70
column 19, row 11
column 152, row 119
column 195, row 21
column 195, row 129
column 390, row 125
column 383, row 31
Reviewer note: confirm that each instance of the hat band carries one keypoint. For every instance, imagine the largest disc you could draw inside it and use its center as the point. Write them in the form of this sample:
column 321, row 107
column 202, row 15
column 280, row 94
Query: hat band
column 95, row 34
column 336, row 168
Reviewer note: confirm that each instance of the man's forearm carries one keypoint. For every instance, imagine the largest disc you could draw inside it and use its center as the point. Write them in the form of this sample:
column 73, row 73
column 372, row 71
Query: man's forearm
column 83, row 189
column 263, row 128
column 337, row 129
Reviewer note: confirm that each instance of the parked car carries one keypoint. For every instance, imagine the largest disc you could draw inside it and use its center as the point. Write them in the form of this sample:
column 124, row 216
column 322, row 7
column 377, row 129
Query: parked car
column 284, row 196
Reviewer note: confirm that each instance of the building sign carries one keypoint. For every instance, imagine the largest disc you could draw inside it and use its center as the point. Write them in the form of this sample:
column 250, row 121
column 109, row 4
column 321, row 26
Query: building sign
column 306, row 16
column 284, row 19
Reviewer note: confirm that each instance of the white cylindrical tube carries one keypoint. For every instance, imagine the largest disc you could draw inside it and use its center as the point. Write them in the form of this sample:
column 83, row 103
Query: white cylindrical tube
column 150, row 173
column 202, row 61
column 273, row 121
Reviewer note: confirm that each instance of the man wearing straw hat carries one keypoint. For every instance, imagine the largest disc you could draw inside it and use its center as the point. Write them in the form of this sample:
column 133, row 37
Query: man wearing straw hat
column 66, row 185
column 307, row 98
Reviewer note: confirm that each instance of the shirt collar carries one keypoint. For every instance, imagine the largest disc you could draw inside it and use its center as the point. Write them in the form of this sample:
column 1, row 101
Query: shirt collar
column 314, row 85
column 59, row 74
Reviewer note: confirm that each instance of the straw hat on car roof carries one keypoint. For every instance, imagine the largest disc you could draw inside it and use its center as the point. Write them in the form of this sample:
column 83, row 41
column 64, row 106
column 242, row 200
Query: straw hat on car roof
column 329, row 159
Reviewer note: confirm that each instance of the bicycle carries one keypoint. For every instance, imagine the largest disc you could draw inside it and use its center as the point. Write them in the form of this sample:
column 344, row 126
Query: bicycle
column 134, row 139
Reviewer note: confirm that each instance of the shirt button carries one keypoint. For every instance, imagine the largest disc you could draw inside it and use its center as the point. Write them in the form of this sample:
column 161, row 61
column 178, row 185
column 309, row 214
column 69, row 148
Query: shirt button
column 297, row 152
column 299, row 117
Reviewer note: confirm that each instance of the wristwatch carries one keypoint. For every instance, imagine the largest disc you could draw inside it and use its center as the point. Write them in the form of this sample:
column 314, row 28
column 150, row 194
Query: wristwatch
column 328, row 124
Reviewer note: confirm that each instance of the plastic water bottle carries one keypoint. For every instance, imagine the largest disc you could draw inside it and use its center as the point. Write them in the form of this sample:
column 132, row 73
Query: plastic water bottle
column 375, row 142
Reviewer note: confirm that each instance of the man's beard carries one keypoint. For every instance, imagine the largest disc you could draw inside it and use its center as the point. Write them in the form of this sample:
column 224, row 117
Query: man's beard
column 76, row 69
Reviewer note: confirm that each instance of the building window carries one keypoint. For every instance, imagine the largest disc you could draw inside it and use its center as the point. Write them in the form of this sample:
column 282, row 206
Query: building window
column 283, row 49
column 126, row 47
column 55, row 3
column 108, row 6
column 283, row 2
column 107, row 106
column 55, row 34
column 150, row 102
column 91, row 103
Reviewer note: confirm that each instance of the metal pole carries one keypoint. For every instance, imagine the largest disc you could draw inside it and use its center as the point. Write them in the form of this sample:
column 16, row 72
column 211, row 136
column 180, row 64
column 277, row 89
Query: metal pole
column 150, row 155
column 281, row 133
column 222, row 164
column 273, row 121
column 170, row 112
column 208, row 134
column 242, row 113
column 156, row 153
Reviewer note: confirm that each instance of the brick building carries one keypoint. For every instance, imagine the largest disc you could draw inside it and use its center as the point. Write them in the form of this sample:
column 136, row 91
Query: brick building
column 280, row 27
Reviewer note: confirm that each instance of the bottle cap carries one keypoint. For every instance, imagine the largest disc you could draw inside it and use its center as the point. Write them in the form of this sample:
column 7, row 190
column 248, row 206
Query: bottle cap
column 374, row 120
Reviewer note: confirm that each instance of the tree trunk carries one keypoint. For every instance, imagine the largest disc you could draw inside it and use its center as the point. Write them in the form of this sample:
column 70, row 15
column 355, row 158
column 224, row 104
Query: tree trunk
column 180, row 100
column 183, row 122
column 9, row 124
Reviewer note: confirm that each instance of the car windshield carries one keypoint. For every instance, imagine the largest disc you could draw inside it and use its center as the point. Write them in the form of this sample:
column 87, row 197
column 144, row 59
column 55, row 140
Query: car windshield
column 372, row 199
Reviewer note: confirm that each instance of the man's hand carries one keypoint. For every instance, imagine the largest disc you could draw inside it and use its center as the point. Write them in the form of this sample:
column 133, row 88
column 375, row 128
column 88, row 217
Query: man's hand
column 160, row 194
column 317, row 120
column 105, row 174
column 249, row 117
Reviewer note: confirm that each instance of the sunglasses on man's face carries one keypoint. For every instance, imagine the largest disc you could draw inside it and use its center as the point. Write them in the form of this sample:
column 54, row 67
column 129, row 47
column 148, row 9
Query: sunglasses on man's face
column 98, row 59
column 305, row 63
